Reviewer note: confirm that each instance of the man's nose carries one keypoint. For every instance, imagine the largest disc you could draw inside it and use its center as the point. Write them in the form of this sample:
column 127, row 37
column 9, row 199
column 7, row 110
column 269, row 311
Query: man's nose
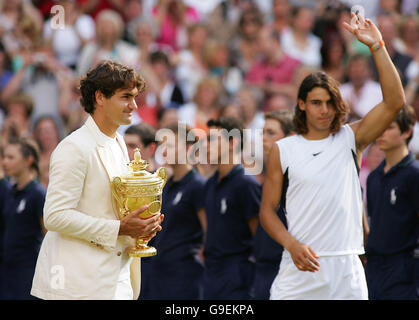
column 324, row 107
column 133, row 105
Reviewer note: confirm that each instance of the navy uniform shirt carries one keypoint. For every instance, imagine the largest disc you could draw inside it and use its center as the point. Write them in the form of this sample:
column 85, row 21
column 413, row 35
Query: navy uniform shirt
column 22, row 213
column 4, row 191
column 181, row 235
column 229, row 204
column 393, row 207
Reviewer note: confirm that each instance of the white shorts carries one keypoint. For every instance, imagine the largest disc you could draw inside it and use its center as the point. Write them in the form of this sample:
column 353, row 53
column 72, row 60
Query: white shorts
column 339, row 278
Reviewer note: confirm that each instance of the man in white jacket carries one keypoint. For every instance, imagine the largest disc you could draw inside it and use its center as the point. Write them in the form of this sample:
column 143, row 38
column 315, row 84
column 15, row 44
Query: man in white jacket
column 83, row 253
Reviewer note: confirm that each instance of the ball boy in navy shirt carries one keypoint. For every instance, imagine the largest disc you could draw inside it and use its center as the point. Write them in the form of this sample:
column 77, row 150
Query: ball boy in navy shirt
column 4, row 190
column 176, row 270
column 232, row 201
column 393, row 207
column 22, row 215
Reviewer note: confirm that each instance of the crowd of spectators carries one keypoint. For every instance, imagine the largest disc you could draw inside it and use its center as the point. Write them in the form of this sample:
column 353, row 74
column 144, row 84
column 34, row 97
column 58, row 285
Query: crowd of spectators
column 200, row 59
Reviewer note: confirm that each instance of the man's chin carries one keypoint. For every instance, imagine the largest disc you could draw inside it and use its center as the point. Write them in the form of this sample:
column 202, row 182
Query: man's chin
column 126, row 121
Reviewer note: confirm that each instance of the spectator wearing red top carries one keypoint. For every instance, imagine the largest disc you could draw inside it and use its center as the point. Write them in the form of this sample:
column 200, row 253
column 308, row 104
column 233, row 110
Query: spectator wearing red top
column 275, row 72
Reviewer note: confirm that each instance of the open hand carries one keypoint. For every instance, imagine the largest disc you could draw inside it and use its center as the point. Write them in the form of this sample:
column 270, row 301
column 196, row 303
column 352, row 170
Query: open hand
column 365, row 30
column 305, row 259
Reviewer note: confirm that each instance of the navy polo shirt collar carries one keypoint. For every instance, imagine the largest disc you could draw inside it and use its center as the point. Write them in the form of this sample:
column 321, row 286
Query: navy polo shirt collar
column 25, row 189
column 187, row 177
column 402, row 164
column 235, row 170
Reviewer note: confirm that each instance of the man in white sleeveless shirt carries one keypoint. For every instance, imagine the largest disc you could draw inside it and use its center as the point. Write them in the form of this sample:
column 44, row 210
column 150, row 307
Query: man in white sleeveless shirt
column 314, row 175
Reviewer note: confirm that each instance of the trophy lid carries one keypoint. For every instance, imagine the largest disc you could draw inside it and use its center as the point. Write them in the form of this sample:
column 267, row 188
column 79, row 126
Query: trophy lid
column 137, row 165
column 139, row 176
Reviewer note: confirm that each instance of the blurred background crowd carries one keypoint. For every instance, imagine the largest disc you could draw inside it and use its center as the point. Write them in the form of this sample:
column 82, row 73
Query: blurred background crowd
column 200, row 59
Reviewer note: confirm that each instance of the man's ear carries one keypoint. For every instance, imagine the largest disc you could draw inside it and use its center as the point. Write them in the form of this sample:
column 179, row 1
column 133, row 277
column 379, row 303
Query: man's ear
column 99, row 97
column 301, row 105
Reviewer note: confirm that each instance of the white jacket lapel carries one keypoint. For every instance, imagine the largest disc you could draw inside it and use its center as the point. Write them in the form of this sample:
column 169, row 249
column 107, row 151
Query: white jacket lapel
column 105, row 154
column 121, row 142
column 106, row 157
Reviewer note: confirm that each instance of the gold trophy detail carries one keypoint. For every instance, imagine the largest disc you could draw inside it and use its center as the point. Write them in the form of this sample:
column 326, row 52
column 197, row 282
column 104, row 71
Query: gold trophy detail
column 135, row 190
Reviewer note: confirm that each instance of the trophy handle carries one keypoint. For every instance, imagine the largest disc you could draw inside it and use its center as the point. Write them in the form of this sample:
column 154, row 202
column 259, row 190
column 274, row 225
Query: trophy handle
column 116, row 185
column 162, row 173
column 154, row 207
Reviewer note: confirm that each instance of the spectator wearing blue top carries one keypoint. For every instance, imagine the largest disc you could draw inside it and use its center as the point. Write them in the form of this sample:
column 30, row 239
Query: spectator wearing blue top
column 232, row 201
column 268, row 253
column 22, row 214
column 176, row 270
column 393, row 207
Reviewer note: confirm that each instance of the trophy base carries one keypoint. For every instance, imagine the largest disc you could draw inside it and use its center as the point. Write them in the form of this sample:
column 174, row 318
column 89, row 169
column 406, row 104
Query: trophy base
column 141, row 251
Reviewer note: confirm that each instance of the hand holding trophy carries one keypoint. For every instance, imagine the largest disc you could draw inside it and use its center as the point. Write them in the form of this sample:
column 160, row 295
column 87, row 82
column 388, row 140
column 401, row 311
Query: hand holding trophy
column 136, row 190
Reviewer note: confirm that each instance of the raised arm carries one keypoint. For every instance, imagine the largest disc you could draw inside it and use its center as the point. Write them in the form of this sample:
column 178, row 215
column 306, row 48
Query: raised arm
column 379, row 118
column 303, row 256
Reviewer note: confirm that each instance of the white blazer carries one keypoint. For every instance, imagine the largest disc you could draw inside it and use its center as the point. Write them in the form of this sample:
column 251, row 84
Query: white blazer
column 80, row 256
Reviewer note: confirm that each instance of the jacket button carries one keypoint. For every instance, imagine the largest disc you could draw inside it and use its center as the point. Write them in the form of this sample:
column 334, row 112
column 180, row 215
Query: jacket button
column 119, row 253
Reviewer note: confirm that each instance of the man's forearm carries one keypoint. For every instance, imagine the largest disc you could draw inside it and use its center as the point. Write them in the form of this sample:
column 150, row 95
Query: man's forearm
column 275, row 228
column 391, row 85
column 72, row 223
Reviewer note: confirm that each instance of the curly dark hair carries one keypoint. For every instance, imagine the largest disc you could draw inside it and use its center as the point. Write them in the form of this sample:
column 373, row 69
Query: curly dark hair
column 107, row 77
column 320, row 80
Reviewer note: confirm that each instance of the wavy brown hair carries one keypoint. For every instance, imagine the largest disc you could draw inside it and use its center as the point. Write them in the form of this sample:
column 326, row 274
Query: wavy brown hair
column 320, row 80
column 107, row 77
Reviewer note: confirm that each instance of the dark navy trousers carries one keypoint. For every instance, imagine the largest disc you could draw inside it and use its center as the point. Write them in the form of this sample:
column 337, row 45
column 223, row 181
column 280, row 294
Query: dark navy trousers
column 228, row 279
column 265, row 274
column 392, row 277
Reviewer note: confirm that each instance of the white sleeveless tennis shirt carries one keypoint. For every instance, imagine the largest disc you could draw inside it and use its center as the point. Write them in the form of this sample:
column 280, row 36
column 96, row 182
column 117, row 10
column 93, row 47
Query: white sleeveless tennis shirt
column 322, row 193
